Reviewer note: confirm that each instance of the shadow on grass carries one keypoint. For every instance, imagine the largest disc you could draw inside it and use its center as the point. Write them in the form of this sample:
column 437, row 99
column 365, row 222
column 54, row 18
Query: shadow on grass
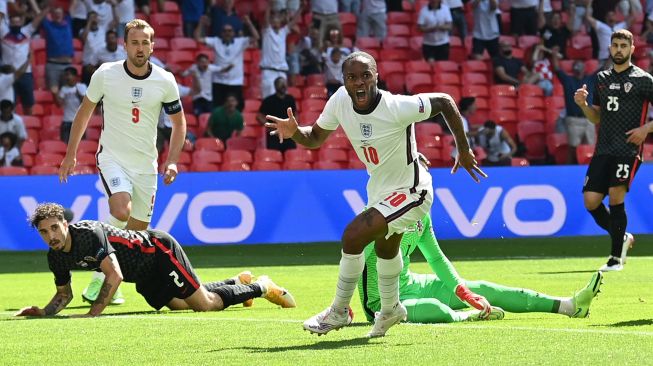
column 563, row 272
column 325, row 345
column 631, row 323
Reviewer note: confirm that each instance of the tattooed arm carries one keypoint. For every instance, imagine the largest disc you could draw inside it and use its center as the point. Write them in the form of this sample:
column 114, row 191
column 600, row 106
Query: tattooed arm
column 60, row 300
column 113, row 277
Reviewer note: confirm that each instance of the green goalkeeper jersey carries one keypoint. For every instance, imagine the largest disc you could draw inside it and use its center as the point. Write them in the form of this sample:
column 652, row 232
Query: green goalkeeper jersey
column 420, row 236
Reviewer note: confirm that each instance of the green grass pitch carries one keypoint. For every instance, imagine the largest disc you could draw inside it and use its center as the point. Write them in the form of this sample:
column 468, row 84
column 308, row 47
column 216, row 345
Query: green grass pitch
column 619, row 330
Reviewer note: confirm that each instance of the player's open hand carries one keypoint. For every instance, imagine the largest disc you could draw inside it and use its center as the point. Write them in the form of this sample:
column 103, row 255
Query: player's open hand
column 66, row 168
column 474, row 300
column 284, row 128
column 30, row 311
column 580, row 97
column 637, row 135
column 467, row 160
column 170, row 174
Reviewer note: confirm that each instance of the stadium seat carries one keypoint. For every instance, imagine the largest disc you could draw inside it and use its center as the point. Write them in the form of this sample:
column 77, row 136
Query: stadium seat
column 388, row 67
column 241, row 143
column 399, row 17
column 519, row 162
column 532, row 135
column 31, row 122
column 554, row 103
column 84, row 170
column 209, row 143
column 303, row 155
column 317, row 92
column 428, row 129
column 395, row 82
column 397, row 30
column 237, row 156
column 165, row 24
column 50, row 159
column 84, row 158
column 418, row 66
column 355, row 164
column 44, row 170
column 647, row 153
column 503, row 103
column 440, row 78
column 182, row 58
column 476, row 66
column 52, row 122
column 474, row 78
column 366, row 43
column 312, row 105
column 434, row 155
column 431, row 142
column 557, row 146
column 529, row 90
column 204, row 167
column 395, row 42
column 584, row 153
column 29, row 147
column 294, row 91
column 206, row 156
column 182, row 43
column 307, row 118
column 161, row 44
column 92, row 134
column 13, row 170
column 445, row 66
column 531, row 103
column 452, row 90
column 506, row 118
column 337, row 142
column 95, row 121
column 296, row 165
column 327, row 165
column 52, row 146
column 526, row 41
column 235, row 166
column 316, row 80
column 503, row 90
column 537, row 115
column 327, row 154
column 252, row 105
column 393, row 54
column 475, row 91
column 415, row 79
column 266, row 165
column 267, row 155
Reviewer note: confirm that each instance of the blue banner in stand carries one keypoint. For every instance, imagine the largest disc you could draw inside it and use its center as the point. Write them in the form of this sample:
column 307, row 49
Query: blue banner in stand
column 314, row 206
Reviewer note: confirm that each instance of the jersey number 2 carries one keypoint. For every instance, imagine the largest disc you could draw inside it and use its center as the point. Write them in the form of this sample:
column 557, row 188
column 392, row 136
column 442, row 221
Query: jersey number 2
column 175, row 279
column 613, row 104
column 371, row 155
column 136, row 114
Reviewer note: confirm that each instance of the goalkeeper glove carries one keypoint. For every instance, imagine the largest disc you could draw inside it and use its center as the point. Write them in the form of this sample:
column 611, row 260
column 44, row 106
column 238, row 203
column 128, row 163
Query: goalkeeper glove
column 477, row 301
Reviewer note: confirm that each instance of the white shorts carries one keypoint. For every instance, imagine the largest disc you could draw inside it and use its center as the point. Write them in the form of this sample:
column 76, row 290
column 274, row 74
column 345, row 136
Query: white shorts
column 402, row 208
column 141, row 187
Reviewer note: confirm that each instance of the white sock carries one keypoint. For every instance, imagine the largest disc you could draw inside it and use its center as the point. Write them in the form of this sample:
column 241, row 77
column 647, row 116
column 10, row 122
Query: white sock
column 98, row 276
column 566, row 306
column 115, row 222
column 351, row 267
column 388, row 271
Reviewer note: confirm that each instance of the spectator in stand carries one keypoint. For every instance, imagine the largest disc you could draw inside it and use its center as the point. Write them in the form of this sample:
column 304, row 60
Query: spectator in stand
column 144, row 6
column 191, row 11
column 79, row 15
column 325, row 15
column 579, row 128
column 112, row 51
column 285, row 7
column 542, row 70
column 225, row 121
column 69, row 98
column 310, row 53
column 94, row 39
column 125, row 12
column 164, row 126
column 8, row 75
column 333, row 71
column 273, row 52
column 277, row 105
column 467, row 107
column 555, row 34
column 509, row 70
column 372, row 21
column 547, row 9
column 106, row 12
column 497, row 143
column 352, row 6
column 226, row 15
column 435, row 22
column 486, row 28
column 229, row 53
column 59, row 45
column 9, row 151
column 648, row 28
column 202, row 72
column 457, row 9
column 523, row 17
column 335, row 40
column 11, row 122
column 15, row 51
column 605, row 29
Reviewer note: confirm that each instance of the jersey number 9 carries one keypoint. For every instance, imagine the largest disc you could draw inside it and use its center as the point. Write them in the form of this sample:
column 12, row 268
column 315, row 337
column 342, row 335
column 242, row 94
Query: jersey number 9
column 136, row 114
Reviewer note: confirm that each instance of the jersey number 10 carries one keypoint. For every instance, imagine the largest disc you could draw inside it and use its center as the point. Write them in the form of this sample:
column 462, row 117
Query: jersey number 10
column 371, row 155
column 136, row 114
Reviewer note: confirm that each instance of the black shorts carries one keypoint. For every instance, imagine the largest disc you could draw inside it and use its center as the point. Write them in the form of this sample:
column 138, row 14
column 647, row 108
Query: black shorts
column 607, row 171
column 174, row 276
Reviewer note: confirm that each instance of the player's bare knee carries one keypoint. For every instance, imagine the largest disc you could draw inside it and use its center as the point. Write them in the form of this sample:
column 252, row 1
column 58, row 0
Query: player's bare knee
column 120, row 213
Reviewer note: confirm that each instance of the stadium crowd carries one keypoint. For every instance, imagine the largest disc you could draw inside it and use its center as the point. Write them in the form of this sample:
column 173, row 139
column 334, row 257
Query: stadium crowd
column 512, row 66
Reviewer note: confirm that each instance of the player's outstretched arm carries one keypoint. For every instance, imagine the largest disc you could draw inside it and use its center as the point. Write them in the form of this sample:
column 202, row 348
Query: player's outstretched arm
column 76, row 132
column 309, row 136
column 591, row 112
column 59, row 301
column 444, row 103
column 177, row 139
column 112, row 279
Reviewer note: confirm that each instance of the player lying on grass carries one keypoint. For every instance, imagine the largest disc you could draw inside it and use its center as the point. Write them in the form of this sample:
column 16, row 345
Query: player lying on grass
column 151, row 259
column 434, row 298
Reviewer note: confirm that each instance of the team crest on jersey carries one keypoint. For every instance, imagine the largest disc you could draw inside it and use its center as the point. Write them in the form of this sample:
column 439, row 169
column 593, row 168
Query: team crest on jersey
column 137, row 92
column 628, row 86
column 115, row 182
column 366, row 129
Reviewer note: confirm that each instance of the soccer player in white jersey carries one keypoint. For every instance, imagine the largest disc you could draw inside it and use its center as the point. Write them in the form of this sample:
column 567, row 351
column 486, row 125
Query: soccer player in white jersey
column 132, row 92
column 380, row 127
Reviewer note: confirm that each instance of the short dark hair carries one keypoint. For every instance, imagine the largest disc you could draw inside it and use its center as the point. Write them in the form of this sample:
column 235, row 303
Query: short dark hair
column 622, row 34
column 466, row 102
column 201, row 56
column 6, row 103
column 12, row 137
column 490, row 124
column 359, row 54
column 45, row 211
column 70, row 70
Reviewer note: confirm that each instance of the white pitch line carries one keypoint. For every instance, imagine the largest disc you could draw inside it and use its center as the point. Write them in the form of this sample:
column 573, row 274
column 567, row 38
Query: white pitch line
column 457, row 326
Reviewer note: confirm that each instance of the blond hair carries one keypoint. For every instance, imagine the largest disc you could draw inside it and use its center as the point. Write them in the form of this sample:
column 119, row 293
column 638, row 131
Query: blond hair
column 139, row 24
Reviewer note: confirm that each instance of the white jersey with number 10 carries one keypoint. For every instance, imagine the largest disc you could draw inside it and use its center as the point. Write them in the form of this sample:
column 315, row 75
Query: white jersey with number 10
column 130, row 107
column 384, row 139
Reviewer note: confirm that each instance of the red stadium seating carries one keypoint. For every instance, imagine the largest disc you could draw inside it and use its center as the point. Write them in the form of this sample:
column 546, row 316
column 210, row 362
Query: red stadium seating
column 44, row 170
column 327, row 165
column 206, row 156
column 394, row 42
column 13, row 170
column 237, row 156
column 399, row 17
column 474, row 78
column 503, row 103
column 337, row 142
column 303, row 155
column 503, row 90
column 50, row 159
column 418, row 66
column 443, row 78
column 366, row 43
column 475, row 91
column 84, row 170
column 413, row 80
column 584, row 153
column 397, row 30
column 531, row 103
column 519, row 162
column 235, row 166
column 395, row 82
column 296, row 165
column 537, row 115
column 52, row 146
column 312, row 105
column 557, row 146
column 534, row 138
column 267, row 155
column 528, row 90
column 241, row 143
column 209, row 143
column 428, row 129
column 204, row 167
column 393, row 55
column 266, row 165
column 182, row 43
column 29, row 147
column 318, row 92
column 338, row 155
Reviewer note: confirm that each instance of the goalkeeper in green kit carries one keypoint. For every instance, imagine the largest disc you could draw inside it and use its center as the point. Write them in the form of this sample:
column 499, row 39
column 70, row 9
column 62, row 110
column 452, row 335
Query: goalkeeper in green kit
column 435, row 298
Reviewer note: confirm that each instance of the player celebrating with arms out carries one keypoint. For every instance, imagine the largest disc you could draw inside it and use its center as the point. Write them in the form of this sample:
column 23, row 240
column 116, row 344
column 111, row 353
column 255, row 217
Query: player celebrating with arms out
column 620, row 104
column 132, row 92
column 152, row 259
column 380, row 127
